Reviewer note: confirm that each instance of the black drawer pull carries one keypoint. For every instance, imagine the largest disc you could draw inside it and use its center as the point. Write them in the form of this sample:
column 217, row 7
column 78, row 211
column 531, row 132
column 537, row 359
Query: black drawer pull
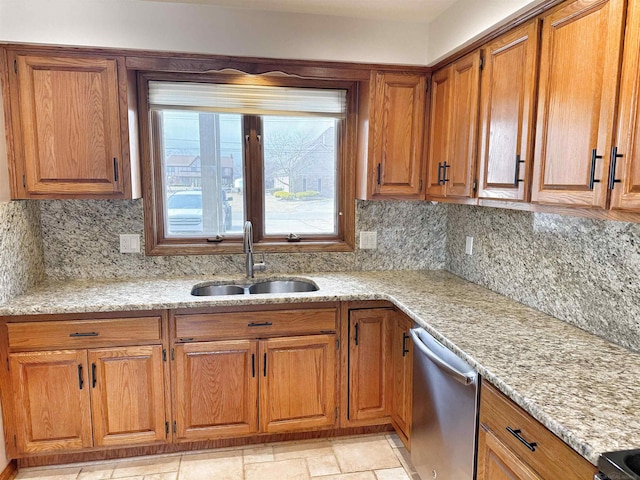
column 516, row 433
column 84, row 334
column 93, row 375
column 259, row 324
column 405, row 350
column 80, row 377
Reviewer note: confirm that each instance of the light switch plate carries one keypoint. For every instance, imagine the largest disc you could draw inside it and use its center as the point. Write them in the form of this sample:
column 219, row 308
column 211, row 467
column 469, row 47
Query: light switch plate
column 368, row 240
column 468, row 247
column 129, row 243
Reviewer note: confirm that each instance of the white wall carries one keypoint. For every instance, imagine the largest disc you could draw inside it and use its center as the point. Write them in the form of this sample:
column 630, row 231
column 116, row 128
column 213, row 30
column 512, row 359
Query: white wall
column 210, row 29
column 466, row 21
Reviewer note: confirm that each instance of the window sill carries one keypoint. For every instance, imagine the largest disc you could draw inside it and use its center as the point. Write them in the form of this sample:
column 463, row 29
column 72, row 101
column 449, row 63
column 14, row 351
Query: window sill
column 235, row 247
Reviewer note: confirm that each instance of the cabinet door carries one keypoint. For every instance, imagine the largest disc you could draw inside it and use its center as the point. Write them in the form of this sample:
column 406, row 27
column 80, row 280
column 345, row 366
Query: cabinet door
column 369, row 366
column 69, row 117
column 507, row 114
column 579, row 67
column 216, row 389
column 402, row 375
column 497, row 462
column 127, row 395
column 298, row 383
column 52, row 404
column 459, row 174
column 626, row 194
column 439, row 130
column 398, row 134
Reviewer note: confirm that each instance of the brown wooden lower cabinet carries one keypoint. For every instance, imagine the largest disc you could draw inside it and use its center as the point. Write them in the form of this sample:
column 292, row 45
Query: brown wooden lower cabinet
column 216, row 389
column 514, row 446
column 74, row 399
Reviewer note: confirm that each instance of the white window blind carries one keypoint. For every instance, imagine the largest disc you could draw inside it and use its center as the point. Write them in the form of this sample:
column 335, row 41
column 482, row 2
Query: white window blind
column 248, row 99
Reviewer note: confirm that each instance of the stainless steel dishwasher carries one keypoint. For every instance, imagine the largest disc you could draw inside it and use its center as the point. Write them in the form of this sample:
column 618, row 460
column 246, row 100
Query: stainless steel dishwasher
column 445, row 406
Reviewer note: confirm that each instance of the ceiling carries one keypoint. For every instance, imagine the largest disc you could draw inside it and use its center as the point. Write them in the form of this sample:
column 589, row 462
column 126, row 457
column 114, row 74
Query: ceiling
column 415, row 11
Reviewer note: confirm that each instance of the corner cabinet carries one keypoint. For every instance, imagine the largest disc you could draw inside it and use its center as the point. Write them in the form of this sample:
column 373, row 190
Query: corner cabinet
column 69, row 126
column 392, row 124
column 86, row 383
column 579, row 71
column 624, row 174
column 508, row 86
column 271, row 371
column 455, row 97
column 380, row 368
column 514, row 446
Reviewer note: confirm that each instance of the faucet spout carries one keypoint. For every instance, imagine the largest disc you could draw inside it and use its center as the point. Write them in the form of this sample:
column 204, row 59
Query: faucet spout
column 247, row 249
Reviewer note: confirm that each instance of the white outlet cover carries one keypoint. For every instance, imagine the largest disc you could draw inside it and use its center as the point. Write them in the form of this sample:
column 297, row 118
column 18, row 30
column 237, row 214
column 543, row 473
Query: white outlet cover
column 468, row 247
column 129, row 243
column 368, row 240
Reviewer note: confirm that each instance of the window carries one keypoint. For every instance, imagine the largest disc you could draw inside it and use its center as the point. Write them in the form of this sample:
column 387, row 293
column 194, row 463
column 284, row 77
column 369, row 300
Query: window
column 223, row 150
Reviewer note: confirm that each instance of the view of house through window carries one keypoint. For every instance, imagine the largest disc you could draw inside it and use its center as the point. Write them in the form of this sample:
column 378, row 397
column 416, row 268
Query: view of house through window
column 299, row 155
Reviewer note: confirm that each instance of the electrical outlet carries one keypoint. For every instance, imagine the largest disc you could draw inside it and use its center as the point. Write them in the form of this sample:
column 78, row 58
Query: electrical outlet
column 468, row 247
column 129, row 243
column 368, row 240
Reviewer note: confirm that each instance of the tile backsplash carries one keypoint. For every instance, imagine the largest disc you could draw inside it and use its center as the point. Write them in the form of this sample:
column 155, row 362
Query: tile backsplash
column 81, row 240
column 583, row 271
column 20, row 248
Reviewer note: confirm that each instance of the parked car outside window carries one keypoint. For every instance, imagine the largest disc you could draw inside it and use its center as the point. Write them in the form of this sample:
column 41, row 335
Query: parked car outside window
column 184, row 212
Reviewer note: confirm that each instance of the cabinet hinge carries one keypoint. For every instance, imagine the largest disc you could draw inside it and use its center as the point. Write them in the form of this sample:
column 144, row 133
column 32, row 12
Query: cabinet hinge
column 24, row 181
column 15, row 441
column 426, row 87
column 166, row 429
column 175, row 427
column 420, row 184
column 15, row 66
column 164, row 355
column 173, row 354
column 481, row 62
column 8, row 365
column 336, row 413
column 337, row 345
column 475, row 185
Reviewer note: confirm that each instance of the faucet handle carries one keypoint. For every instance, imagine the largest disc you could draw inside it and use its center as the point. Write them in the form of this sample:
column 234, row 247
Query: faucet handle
column 260, row 266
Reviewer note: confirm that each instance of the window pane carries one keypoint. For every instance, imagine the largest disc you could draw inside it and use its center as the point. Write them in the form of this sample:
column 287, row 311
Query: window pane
column 202, row 172
column 300, row 164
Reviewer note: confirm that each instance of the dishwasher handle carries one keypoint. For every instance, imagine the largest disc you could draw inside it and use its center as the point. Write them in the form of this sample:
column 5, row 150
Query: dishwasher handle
column 464, row 378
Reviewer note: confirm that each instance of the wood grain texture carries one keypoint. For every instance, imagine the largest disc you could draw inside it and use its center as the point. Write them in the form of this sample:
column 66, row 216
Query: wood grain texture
column 497, row 462
column 127, row 395
column 439, row 129
column 401, row 375
column 48, row 335
column 579, row 66
column 397, row 124
column 626, row 195
column 216, row 389
column 369, row 364
column 298, row 383
column 70, row 124
column 261, row 324
column 52, row 411
column 552, row 458
column 464, row 126
column 508, row 93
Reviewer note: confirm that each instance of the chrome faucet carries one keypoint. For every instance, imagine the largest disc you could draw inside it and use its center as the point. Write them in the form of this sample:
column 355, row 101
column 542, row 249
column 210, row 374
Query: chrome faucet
column 247, row 248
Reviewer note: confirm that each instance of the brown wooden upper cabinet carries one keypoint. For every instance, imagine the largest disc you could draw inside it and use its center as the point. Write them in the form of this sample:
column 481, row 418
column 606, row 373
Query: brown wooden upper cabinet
column 69, row 127
column 508, row 87
column 391, row 150
column 625, row 194
column 579, row 71
column 453, row 129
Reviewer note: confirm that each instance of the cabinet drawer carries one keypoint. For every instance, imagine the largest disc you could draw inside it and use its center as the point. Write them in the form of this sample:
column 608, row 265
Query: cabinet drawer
column 255, row 324
column 84, row 333
column 552, row 458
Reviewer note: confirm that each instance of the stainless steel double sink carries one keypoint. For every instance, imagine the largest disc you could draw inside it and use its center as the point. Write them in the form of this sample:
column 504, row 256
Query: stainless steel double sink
column 257, row 287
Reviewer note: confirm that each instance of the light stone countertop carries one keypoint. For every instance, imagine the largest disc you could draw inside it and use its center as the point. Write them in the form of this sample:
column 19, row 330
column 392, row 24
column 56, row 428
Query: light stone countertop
column 581, row 387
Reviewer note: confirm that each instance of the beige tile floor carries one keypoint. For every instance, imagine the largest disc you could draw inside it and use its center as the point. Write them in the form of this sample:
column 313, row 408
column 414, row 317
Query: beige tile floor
column 365, row 457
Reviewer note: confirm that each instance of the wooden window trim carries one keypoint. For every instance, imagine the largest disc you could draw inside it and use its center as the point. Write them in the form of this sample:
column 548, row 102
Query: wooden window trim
column 155, row 241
